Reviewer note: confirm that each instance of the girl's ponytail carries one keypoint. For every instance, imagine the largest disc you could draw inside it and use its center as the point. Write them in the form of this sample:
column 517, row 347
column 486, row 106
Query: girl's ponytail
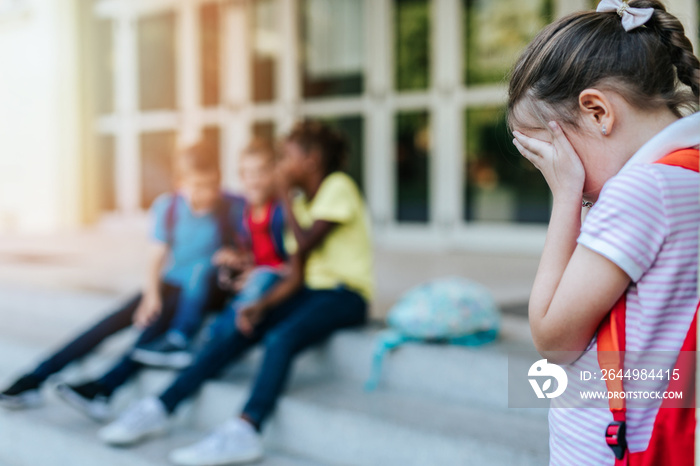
column 645, row 65
column 671, row 32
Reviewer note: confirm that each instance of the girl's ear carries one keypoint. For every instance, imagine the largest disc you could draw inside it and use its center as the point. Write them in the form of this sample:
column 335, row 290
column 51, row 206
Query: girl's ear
column 596, row 110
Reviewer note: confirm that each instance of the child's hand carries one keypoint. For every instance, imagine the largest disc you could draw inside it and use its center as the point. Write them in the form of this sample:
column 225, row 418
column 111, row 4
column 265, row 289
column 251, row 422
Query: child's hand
column 149, row 310
column 229, row 257
column 558, row 161
column 248, row 317
column 239, row 282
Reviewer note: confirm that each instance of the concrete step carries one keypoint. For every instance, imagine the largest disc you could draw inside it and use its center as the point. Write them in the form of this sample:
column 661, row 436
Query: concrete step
column 324, row 417
column 450, row 373
column 56, row 435
column 465, row 375
column 336, row 422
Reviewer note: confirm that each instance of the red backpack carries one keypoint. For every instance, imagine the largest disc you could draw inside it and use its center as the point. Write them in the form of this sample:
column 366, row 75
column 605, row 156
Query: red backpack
column 673, row 436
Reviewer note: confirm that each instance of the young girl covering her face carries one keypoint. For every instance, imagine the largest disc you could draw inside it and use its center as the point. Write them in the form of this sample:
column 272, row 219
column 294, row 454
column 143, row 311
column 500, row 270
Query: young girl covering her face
column 593, row 101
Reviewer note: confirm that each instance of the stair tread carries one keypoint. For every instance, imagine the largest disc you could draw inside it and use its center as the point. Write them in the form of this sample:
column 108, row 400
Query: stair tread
column 70, row 439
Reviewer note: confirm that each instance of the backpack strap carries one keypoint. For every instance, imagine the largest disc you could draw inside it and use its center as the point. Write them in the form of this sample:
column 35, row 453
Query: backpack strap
column 226, row 219
column 611, row 340
column 685, row 158
column 170, row 219
column 611, row 347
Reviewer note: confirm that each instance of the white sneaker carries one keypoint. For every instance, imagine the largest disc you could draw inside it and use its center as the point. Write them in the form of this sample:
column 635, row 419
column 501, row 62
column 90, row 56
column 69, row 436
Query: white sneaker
column 234, row 442
column 147, row 418
column 24, row 393
column 97, row 408
column 24, row 400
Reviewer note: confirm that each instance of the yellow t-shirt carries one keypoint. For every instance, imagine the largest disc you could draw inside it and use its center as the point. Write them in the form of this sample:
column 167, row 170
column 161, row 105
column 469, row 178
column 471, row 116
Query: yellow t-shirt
column 344, row 257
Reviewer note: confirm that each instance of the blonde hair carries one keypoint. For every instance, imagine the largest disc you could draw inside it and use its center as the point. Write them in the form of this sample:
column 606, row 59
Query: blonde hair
column 650, row 66
column 259, row 147
column 196, row 158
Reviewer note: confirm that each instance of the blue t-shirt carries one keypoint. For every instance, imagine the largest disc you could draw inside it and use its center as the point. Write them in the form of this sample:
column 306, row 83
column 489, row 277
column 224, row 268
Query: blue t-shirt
column 196, row 237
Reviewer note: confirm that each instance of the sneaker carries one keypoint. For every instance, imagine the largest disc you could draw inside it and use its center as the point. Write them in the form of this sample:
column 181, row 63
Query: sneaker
column 147, row 418
column 234, row 442
column 170, row 351
column 87, row 398
column 24, row 393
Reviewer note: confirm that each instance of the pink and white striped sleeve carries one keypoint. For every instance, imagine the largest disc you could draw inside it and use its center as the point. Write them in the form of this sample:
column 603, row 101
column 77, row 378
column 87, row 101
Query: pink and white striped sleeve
column 628, row 224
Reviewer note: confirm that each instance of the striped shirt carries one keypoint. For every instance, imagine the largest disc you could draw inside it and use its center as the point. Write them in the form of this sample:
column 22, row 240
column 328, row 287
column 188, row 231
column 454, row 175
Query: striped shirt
column 646, row 221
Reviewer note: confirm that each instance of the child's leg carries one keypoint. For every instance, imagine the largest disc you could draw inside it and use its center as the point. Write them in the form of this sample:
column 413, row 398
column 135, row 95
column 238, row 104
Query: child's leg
column 88, row 340
column 216, row 355
column 126, row 367
column 221, row 351
column 313, row 320
column 194, row 297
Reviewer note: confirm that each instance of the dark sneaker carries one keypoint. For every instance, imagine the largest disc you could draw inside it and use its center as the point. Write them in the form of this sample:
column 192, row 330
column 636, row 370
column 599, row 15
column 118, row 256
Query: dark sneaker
column 169, row 351
column 23, row 394
column 87, row 398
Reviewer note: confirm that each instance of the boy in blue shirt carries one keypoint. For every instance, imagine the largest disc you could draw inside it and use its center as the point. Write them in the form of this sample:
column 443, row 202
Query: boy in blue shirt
column 190, row 227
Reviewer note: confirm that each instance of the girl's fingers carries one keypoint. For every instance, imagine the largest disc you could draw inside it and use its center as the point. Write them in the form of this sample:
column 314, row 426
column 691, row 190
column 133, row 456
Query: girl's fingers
column 560, row 141
column 533, row 145
column 524, row 152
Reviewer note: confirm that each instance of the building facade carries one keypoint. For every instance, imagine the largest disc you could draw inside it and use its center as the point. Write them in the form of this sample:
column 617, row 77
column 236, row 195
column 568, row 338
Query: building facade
column 418, row 86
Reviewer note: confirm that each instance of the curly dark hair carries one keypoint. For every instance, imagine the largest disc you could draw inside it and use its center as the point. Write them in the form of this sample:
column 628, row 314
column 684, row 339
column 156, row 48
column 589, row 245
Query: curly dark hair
column 316, row 135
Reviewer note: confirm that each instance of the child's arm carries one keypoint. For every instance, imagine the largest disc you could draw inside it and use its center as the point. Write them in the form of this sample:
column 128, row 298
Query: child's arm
column 249, row 316
column 574, row 287
column 150, row 307
column 306, row 239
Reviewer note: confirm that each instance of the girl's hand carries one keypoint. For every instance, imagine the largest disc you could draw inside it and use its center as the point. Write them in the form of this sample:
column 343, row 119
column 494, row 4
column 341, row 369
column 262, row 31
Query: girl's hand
column 241, row 279
column 230, row 257
column 558, row 161
column 149, row 309
column 248, row 317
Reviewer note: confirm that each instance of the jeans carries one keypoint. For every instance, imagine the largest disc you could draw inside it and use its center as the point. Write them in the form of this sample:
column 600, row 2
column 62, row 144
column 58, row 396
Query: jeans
column 305, row 319
column 115, row 322
column 194, row 296
column 108, row 326
column 260, row 280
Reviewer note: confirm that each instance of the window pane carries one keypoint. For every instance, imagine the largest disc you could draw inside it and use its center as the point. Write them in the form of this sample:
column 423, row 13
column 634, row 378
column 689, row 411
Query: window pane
column 412, row 163
column 156, row 50
column 210, row 53
column 495, row 32
column 157, row 150
column 501, row 185
column 104, row 66
column 412, row 35
column 352, row 127
column 106, row 172
column 264, row 50
column 333, row 57
column 264, row 130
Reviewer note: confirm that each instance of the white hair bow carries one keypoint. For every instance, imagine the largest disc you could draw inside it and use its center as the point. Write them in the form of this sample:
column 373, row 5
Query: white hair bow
column 631, row 17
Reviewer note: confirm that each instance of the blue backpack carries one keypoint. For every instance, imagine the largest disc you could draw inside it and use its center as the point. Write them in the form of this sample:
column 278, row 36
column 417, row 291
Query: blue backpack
column 453, row 310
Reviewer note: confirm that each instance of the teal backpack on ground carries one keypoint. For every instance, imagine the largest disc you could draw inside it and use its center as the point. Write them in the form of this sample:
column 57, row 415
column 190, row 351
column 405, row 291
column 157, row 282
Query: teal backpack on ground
column 453, row 310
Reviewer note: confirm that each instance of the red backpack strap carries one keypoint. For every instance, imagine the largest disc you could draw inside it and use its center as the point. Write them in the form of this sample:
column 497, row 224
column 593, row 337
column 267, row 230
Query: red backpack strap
column 685, row 158
column 611, row 347
column 611, row 339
